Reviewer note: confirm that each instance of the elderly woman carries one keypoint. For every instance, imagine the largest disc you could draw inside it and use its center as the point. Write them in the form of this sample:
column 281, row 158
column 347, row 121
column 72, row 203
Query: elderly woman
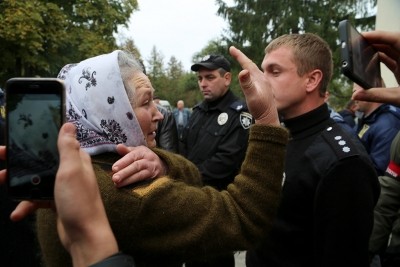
column 168, row 220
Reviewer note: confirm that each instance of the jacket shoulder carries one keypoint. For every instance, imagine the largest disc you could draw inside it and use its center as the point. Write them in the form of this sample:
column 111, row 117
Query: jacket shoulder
column 239, row 106
column 341, row 142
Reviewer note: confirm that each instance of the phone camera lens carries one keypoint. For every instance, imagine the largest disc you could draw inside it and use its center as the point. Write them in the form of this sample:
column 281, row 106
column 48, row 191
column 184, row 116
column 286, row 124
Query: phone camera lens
column 35, row 180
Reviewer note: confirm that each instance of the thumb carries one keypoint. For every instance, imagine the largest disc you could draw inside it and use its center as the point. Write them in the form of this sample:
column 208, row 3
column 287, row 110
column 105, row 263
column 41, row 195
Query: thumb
column 245, row 81
column 68, row 145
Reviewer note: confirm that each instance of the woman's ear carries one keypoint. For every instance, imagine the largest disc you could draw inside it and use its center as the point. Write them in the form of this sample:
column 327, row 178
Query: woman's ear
column 314, row 80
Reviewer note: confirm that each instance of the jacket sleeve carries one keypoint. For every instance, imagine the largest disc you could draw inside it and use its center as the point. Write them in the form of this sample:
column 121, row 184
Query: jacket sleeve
column 168, row 135
column 385, row 214
column 178, row 221
column 179, row 168
column 379, row 144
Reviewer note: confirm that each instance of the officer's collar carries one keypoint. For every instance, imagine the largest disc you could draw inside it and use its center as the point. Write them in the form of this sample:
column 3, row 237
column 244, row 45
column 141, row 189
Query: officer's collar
column 308, row 123
column 220, row 103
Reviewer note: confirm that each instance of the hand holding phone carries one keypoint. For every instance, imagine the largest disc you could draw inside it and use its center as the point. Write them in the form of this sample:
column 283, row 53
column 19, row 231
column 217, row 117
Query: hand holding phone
column 35, row 111
column 360, row 60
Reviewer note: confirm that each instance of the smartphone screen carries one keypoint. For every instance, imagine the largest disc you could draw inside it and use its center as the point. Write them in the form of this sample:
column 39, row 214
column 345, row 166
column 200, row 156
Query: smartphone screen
column 360, row 60
column 34, row 115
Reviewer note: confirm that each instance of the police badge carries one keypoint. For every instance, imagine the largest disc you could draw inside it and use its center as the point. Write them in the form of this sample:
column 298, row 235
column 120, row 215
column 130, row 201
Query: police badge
column 245, row 120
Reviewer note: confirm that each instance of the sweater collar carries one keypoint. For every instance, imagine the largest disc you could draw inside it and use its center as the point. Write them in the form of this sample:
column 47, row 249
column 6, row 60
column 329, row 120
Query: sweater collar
column 309, row 123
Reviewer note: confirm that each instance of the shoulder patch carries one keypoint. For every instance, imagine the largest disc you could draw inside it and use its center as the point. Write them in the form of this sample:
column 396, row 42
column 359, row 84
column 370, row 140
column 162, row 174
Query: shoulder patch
column 238, row 106
column 340, row 142
column 246, row 119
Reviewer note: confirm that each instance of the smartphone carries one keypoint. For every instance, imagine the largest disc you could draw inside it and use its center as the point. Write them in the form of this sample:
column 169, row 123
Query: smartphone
column 35, row 111
column 360, row 60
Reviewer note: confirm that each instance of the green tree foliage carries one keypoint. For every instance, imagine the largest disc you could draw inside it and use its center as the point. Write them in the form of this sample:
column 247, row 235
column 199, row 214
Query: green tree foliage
column 129, row 45
column 171, row 82
column 38, row 37
column 156, row 64
column 174, row 69
column 254, row 23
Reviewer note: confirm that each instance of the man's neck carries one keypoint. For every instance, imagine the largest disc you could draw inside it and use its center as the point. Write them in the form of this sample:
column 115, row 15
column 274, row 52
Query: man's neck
column 374, row 106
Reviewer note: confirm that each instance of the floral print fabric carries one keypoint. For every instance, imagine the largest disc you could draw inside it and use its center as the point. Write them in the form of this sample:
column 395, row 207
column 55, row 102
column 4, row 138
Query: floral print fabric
column 98, row 105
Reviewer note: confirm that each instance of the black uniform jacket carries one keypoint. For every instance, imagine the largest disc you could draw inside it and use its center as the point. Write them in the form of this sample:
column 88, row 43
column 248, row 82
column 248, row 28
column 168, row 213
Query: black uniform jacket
column 216, row 139
column 167, row 134
column 325, row 216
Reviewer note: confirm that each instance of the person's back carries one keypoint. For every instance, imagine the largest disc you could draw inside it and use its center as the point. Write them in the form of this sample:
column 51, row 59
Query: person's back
column 330, row 188
column 167, row 135
column 348, row 113
column 376, row 129
column 385, row 237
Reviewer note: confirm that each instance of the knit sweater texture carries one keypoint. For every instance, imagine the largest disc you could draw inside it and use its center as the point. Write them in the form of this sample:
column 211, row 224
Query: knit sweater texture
column 172, row 219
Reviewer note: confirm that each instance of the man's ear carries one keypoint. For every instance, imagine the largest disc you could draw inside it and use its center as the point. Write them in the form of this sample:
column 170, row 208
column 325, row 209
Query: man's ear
column 228, row 78
column 314, row 80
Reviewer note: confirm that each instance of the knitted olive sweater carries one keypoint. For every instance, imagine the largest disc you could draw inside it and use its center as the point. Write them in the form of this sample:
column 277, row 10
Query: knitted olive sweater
column 167, row 221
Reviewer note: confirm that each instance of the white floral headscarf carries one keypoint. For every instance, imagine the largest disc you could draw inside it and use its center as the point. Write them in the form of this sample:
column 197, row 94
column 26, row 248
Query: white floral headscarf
column 98, row 105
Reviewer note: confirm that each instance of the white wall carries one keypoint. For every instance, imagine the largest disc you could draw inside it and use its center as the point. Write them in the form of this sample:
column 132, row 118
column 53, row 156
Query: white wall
column 388, row 19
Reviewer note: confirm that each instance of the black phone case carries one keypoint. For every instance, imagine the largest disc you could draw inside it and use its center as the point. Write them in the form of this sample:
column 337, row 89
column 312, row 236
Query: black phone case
column 32, row 154
column 349, row 67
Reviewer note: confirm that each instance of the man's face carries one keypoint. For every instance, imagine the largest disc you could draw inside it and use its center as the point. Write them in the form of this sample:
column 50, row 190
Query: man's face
column 212, row 84
column 288, row 87
column 180, row 105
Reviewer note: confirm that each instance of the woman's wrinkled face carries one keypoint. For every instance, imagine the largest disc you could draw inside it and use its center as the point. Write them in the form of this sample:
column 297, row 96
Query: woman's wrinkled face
column 145, row 109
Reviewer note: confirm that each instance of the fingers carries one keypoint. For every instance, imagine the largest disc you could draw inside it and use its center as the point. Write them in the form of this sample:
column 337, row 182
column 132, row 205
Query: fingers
column 135, row 177
column 127, row 158
column 25, row 208
column 381, row 95
column 383, row 37
column 2, row 176
column 139, row 164
column 68, row 145
column 249, row 68
column 137, row 171
column 257, row 90
column 244, row 61
column 123, row 150
column 2, row 152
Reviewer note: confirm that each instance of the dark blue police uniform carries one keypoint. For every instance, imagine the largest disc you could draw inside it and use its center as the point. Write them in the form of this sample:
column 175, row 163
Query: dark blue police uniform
column 216, row 138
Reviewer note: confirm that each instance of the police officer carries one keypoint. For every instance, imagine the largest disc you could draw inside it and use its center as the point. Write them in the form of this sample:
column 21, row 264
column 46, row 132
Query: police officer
column 215, row 139
column 216, row 136
column 325, row 215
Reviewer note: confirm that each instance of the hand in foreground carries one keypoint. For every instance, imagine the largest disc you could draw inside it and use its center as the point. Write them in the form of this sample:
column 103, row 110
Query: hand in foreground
column 257, row 90
column 24, row 208
column 138, row 164
column 82, row 222
column 381, row 95
column 388, row 45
